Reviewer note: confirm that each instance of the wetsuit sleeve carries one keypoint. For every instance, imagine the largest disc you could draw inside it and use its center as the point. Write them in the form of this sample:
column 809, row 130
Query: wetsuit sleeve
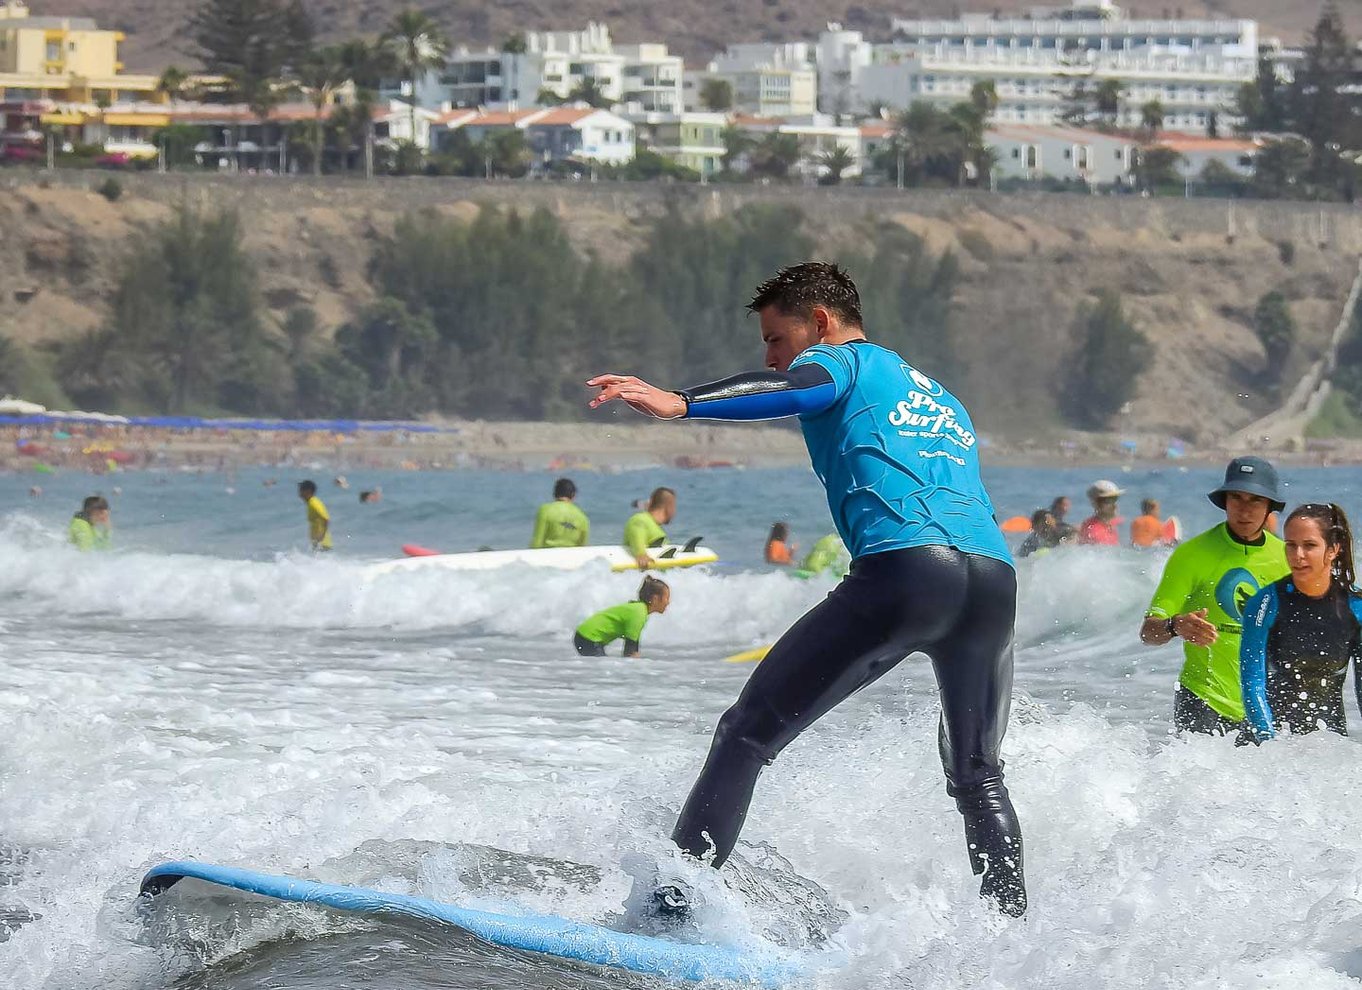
column 1355, row 648
column 1259, row 614
column 541, row 528
column 801, row 391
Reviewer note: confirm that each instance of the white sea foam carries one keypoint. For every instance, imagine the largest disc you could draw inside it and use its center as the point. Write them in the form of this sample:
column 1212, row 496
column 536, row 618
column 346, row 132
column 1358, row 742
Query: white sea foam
column 287, row 714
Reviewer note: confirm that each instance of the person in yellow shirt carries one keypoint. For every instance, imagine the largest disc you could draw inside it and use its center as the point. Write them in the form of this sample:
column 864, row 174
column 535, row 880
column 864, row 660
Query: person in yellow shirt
column 644, row 529
column 318, row 519
column 90, row 528
column 560, row 523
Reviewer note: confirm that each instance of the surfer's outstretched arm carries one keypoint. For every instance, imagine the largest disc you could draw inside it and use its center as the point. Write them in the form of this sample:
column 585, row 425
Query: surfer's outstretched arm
column 752, row 395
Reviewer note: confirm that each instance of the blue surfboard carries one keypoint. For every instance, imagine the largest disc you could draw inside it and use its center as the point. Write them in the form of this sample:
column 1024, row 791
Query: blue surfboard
column 545, row 934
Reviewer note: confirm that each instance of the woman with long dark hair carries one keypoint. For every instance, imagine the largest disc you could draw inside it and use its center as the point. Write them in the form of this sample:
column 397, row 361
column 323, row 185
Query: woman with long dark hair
column 1301, row 632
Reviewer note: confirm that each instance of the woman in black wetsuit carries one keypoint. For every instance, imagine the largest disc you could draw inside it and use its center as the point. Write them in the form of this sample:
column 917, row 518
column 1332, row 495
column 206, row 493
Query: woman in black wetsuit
column 1301, row 632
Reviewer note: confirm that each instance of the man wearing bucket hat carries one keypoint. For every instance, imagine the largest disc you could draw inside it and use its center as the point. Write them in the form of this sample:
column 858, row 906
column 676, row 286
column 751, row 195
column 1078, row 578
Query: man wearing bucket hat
column 1201, row 596
column 1100, row 527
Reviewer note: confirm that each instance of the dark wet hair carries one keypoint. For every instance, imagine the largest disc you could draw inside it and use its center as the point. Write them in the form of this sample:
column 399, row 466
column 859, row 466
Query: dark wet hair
column 1148, row 505
column 651, row 589
column 779, row 531
column 310, row 487
column 1054, row 505
column 1333, row 524
column 1042, row 517
column 564, row 488
column 659, row 497
column 93, row 503
column 795, row 290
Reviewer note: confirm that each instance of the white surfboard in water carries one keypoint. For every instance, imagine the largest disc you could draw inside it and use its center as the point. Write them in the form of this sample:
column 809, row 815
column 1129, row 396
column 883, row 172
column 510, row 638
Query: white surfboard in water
column 560, row 558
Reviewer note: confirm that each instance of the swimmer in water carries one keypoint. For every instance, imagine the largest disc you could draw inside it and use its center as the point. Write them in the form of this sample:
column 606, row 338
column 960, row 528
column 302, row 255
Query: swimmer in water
column 1302, row 632
column 779, row 550
column 930, row 572
column 91, row 528
column 623, row 621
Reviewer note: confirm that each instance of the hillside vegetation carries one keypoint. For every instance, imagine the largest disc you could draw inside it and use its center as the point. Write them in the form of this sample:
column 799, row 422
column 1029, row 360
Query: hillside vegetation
column 495, row 299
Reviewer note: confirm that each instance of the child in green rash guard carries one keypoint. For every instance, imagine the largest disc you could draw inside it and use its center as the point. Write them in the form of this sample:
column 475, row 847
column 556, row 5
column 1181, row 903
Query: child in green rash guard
column 90, row 527
column 623, row 621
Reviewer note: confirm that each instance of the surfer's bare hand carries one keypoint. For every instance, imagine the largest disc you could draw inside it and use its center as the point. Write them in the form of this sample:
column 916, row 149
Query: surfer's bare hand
column 638, row 394
column 1193, row 627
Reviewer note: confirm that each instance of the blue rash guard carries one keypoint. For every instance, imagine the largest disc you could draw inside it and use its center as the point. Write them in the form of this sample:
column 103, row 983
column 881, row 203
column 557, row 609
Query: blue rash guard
column 896, row 452
column 1294, row 657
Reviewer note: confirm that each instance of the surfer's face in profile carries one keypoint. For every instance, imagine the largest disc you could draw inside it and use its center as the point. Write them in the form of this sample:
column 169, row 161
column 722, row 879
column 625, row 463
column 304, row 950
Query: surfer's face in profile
column 659, row 603
column 787, row 335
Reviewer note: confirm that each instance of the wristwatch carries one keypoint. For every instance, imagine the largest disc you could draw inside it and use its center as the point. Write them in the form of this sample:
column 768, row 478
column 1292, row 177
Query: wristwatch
column 1171, row 626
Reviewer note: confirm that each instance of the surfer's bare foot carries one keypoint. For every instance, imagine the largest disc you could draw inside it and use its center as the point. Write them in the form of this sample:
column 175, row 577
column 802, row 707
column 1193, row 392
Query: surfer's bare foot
column 672, row 901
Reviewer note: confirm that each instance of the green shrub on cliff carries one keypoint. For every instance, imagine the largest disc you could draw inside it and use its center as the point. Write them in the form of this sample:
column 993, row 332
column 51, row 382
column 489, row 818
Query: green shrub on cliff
column 185, row 331
column 1108, row 360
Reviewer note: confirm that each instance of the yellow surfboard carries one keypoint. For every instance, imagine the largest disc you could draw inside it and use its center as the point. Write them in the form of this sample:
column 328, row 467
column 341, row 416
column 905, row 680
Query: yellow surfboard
column 750, row 656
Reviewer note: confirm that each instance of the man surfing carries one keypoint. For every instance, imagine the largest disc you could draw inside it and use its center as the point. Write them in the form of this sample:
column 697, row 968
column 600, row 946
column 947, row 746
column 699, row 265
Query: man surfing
column 930, row 569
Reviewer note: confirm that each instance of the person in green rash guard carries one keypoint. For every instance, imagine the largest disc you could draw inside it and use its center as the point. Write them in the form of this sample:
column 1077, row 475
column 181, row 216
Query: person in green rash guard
column 644, row 529
column 623, row 621
column 1201, row 596
column 828, row 554
column 560, row 523
column 90, row 528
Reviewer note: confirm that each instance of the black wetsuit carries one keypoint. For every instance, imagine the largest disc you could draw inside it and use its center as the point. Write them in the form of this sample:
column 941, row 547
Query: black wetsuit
column 1295, row 656
column 892, row 452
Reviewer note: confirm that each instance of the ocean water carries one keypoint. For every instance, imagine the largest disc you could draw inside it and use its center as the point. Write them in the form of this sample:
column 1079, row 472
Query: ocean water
column 210, row 691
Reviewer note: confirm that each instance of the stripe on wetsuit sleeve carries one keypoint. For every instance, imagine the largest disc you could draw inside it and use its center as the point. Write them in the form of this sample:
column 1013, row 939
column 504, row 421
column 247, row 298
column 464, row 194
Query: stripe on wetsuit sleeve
column 1259, row 615
column 763, row 394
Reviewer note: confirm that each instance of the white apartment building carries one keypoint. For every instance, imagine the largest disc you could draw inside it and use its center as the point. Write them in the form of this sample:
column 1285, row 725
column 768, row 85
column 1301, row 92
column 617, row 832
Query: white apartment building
column 1028, row 151
column 642, row 77
column 1194, row 68
column 767, row 80
column 692, row 139
column 552, row 134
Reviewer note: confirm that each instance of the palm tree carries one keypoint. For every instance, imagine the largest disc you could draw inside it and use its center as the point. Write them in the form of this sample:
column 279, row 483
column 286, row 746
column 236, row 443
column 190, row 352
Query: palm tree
column 776, row 154
column 1108, row 96
column 589, row 91
column 736, row 144
column 835, row 162
column 365, row 65
column 172, row 82
column 418, row 46
column 320, row 74
column 1151, row 117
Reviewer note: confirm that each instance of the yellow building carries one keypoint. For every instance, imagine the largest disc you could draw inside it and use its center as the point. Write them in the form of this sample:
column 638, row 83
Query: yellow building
column 63, row 59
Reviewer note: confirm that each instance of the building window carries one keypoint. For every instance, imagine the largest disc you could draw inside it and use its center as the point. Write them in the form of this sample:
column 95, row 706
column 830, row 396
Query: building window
column 1031, row 156
column 1016, row 152
column 54, row 51
column 1068, row 154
